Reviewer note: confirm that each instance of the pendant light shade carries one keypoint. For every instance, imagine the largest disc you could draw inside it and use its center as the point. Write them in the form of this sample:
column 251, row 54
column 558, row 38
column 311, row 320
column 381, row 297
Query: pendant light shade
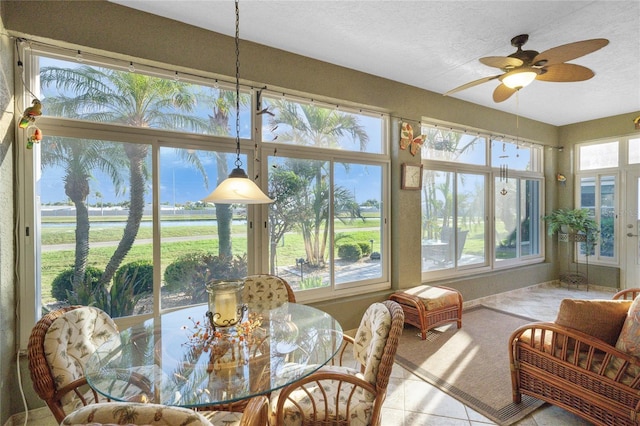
column 238, row 188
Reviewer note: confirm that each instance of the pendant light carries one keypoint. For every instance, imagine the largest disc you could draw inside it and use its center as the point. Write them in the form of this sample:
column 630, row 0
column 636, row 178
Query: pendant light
column 238, row 188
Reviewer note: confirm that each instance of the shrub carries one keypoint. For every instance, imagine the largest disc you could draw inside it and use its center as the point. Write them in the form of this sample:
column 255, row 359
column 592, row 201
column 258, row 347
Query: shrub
column 192, row 272
column 311, row 282
column 125, row 292
column 62, row 285
column 181, row 269
column 144, row 275
column 350, row 252
column 365, row 248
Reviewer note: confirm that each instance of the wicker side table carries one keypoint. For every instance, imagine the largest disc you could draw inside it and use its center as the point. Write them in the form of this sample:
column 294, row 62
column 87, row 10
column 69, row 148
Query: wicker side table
column 427, row 307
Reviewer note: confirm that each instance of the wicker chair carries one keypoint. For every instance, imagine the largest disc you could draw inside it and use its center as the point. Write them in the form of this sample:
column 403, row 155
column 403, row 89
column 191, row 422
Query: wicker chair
column 129, row 413
column 59, row 345
column 627, row 294
column 339, row 395
column 254, row 413
column 121, row 413
column 267, row 288
column 575, row 362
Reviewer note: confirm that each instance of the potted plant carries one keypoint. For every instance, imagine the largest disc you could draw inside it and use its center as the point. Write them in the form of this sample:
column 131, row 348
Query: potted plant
column 575, row 222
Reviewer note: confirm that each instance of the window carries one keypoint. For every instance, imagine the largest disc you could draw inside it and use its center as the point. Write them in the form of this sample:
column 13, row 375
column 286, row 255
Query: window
column 138, row 151
column 517, row 205
column 598, row 156
column 453, row 220
column 597, row 189
column 598, row 194
column 456, row 203
column 634, row 151
column 99, row 236
column 327, row 228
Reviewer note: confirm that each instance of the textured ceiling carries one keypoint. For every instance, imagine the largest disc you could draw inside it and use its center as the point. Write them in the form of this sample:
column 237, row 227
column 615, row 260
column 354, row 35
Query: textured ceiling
column 435, row 45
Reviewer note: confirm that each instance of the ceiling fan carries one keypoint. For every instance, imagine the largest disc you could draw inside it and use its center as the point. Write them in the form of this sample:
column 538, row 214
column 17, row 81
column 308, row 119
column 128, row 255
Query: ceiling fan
column 523, row 66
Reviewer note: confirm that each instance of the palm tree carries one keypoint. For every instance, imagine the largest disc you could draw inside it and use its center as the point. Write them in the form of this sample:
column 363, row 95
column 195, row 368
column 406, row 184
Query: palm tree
column 79, row 158
column 322, row 128
column 222, row 106
column 448, row 142
column 111, row 96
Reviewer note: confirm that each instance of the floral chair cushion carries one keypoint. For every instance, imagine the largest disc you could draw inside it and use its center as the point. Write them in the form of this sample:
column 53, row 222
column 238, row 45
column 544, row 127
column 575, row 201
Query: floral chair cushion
column 371, row 338
column 223, row 418
column 360, row 406
column 71, row 339
column 269, row 289
column 127, row 413
column 629, row 338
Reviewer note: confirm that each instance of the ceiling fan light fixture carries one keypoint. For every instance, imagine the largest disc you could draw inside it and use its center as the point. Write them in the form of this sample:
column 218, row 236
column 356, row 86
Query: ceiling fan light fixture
column 237, row 188
column 519, row 78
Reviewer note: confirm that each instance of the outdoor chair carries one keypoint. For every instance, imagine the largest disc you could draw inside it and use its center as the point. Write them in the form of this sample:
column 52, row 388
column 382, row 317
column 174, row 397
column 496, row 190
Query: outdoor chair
column 340, row 395
column 59, row 346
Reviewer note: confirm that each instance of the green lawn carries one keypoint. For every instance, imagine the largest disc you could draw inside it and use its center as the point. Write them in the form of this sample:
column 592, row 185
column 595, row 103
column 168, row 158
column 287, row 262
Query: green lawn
column 56, row 261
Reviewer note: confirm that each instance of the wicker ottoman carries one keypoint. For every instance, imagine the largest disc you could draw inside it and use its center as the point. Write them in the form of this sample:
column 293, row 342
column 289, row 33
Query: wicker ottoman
column 427, row 307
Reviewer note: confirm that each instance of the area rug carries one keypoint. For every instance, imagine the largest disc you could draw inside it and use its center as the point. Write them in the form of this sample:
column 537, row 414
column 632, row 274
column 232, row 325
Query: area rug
column 470, row 364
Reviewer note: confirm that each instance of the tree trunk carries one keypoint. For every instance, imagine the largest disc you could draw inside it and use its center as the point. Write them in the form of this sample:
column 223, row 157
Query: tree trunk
column 82, row 243
column 77, row 189
column 224, row 212
column 136, row 155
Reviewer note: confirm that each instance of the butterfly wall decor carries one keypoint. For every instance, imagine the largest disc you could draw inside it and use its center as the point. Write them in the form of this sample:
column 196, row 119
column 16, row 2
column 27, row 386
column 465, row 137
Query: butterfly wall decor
column 407, row 139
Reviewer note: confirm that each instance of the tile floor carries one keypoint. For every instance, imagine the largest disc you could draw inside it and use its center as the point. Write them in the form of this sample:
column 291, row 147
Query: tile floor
column 412, row 402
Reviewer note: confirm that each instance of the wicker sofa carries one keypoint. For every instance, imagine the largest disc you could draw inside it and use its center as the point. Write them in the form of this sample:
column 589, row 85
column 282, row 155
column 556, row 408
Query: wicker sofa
column 577, row 362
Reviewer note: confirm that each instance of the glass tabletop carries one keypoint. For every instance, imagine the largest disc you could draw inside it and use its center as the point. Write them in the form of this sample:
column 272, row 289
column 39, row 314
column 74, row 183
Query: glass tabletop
column 175, row 359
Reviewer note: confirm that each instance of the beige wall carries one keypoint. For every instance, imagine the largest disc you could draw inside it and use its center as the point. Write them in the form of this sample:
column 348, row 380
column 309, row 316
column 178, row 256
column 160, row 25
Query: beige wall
column 568, row 136
column 9, row 403
column 105, row 27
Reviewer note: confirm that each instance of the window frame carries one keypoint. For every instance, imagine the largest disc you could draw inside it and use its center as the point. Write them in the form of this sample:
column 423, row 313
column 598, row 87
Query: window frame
column 333, row 156
column 254, row 149
column 597, row 174
column 492, row 173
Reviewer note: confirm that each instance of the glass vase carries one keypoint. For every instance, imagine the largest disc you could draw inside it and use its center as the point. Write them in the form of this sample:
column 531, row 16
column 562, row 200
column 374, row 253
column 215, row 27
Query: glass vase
column 226, row 307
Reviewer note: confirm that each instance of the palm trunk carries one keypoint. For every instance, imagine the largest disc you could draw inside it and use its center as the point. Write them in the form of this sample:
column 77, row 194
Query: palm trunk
column 82, row 242
column 76, row 187
column 136, row 155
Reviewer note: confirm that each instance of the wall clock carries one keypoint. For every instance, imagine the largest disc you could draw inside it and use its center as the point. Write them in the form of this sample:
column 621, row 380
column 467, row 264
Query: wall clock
column 411, row 176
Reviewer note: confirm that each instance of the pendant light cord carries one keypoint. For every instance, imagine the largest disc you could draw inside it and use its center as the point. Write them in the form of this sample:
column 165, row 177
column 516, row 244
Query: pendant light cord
column 237, row 39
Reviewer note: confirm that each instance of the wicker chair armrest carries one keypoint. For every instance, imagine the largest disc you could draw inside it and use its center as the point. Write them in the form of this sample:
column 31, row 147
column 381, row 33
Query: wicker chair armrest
column 561, row 343
column 320, row 380
column 256, row 412
column 339, row 357
column 411, row 300
column 627, row 294
column 79, row 387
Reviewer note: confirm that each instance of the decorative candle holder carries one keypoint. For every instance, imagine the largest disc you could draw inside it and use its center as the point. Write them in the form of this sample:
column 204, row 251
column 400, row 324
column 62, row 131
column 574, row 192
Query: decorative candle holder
column 226, row 308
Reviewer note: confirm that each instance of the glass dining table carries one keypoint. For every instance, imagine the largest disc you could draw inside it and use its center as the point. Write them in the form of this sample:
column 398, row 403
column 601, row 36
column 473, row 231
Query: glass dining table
column 177, row 359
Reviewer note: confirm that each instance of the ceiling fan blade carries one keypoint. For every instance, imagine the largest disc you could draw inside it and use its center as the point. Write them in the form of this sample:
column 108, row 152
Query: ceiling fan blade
column 565, row 73
column 502, row 62
column 471, row 84
column 502, row 93
column 567, row 52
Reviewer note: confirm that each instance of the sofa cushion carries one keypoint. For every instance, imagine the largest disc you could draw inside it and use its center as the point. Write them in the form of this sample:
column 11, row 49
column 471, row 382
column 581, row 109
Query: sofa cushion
column 629, row 339
column 602, row 319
